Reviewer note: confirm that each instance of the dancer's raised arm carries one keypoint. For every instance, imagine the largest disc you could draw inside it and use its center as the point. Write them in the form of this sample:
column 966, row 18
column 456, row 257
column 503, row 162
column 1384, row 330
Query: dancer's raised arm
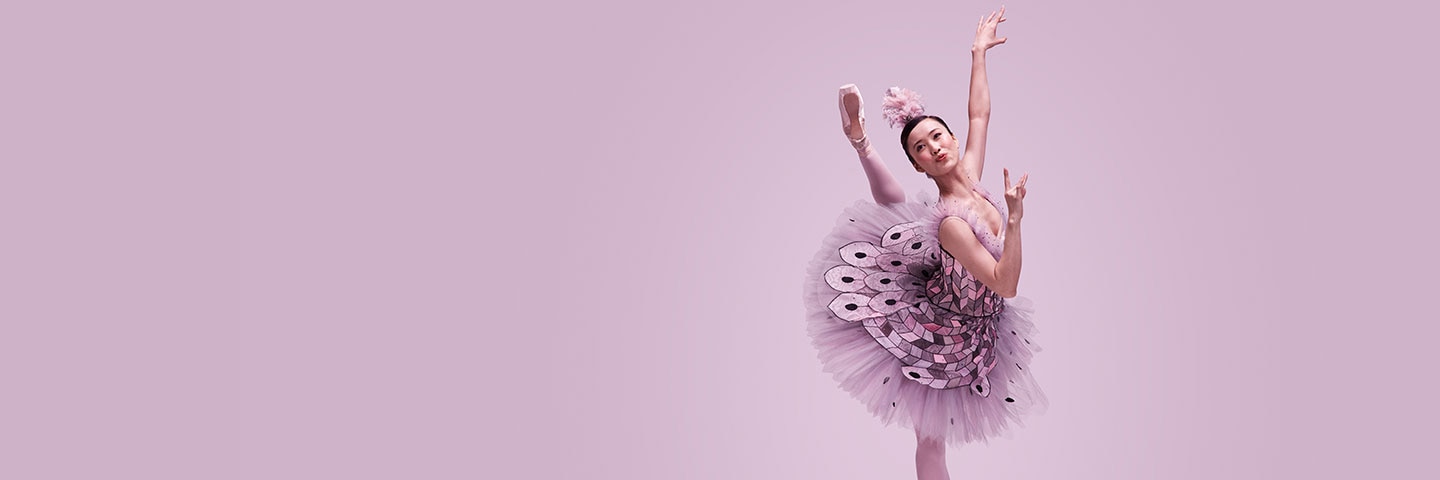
column 973, row 159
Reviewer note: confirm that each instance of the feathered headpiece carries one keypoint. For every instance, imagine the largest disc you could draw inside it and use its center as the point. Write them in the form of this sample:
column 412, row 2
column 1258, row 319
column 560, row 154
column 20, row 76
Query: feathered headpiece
column 901, row 105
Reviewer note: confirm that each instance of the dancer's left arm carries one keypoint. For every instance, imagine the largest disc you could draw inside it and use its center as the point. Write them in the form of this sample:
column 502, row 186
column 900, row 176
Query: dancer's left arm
column 973, row 160
column 959, row 240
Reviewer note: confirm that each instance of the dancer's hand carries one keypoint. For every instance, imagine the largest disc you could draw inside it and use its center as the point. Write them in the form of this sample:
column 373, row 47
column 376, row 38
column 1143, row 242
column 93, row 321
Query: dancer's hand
column 1015, row 195
column 985, row 31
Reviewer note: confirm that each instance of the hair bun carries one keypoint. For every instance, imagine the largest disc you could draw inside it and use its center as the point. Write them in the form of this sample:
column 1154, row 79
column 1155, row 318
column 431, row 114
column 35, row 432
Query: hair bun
column 901, row 105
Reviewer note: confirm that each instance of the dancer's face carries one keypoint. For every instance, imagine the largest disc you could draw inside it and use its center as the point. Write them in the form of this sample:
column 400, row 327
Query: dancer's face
column 934, row 148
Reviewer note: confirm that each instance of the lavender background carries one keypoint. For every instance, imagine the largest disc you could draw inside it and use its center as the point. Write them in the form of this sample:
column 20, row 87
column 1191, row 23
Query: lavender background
column 458, row 240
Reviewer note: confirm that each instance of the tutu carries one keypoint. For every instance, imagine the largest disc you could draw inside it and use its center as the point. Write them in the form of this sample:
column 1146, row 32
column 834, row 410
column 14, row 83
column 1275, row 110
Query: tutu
column 912, row 335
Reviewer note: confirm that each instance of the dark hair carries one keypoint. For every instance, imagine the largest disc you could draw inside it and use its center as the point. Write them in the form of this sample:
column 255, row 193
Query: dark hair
column 910, row 125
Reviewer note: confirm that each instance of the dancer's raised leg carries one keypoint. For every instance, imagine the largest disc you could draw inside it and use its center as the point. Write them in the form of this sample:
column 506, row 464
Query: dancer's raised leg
column 852, row 119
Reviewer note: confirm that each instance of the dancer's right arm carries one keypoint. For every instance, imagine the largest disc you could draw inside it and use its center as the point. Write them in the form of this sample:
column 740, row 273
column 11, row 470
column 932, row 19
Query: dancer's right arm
column 973, row 160
column 883, row 185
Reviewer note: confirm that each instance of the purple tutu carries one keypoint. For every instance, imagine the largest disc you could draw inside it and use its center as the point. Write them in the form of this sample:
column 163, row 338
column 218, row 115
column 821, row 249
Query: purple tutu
column 911, row 334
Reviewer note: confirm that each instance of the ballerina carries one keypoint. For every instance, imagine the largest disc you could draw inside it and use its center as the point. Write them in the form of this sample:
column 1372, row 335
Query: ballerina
column 912, row 305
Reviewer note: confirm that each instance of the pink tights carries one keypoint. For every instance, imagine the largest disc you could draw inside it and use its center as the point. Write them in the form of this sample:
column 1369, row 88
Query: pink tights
column 930, row 458
column 882, row 184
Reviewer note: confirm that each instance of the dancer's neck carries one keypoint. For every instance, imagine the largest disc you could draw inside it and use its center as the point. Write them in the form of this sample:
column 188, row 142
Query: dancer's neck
column 955, row 184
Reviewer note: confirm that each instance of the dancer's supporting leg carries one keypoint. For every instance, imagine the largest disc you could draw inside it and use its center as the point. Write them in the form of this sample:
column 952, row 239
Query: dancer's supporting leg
column 930, row 458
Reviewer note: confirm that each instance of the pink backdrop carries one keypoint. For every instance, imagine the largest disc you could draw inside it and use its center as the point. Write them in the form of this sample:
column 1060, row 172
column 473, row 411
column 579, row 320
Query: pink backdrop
column 440, row 240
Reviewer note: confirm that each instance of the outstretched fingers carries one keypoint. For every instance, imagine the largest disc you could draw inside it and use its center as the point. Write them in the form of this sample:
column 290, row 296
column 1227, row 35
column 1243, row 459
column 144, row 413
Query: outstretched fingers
column 1018, row 188
column 988, row 26
column 995, row 17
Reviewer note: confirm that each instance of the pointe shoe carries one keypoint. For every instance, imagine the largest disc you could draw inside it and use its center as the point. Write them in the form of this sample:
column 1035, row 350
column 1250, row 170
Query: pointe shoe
column 852, row 110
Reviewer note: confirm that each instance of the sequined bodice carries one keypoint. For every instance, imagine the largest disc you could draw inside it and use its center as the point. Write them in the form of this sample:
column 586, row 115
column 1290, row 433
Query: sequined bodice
column 955, row 288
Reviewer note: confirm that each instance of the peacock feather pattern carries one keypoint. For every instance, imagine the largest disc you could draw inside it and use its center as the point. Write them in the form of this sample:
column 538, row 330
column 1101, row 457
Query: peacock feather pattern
column 885, row 299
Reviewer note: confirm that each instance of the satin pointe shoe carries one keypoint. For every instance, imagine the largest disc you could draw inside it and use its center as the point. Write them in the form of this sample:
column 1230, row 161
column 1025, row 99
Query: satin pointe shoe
column 852, row 117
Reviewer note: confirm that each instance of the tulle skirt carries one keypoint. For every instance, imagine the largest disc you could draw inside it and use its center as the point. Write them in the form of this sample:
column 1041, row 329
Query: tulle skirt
column 872, row 374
